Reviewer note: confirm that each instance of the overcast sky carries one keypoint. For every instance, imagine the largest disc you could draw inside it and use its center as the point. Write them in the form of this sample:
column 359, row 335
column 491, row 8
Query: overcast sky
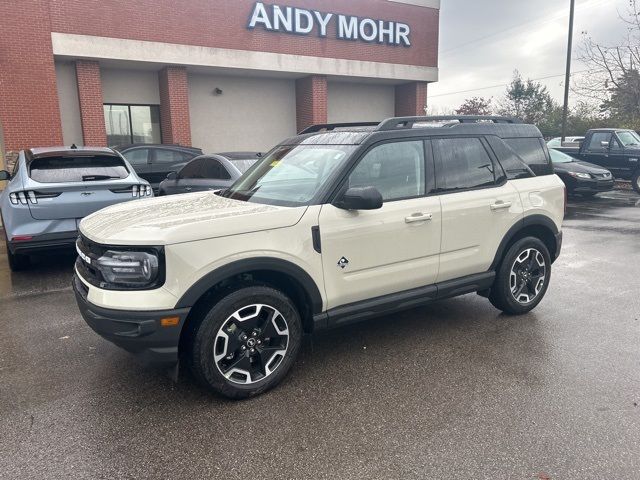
column 483, row 41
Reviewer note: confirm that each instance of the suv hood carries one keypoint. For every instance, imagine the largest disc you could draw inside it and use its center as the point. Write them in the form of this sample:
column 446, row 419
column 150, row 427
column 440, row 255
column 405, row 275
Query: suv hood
column 183, row 218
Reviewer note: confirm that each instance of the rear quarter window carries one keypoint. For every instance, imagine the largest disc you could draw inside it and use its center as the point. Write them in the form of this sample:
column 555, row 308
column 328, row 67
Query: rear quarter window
column 533, row 152
column 64, row 169
column 514, row 166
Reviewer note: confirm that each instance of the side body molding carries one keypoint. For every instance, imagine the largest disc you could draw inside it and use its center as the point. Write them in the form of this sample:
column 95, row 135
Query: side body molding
column 214, row 277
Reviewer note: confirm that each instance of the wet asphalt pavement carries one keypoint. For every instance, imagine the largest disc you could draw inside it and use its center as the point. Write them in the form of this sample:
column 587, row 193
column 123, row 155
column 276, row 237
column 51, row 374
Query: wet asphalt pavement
column 453, row 390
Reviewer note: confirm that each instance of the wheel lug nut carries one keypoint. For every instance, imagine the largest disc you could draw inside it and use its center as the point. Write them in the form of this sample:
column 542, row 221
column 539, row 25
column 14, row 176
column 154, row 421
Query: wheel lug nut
column 259, row 342
column 253, row 350
column 243, row 348
column 243, row 337
column 254, row 334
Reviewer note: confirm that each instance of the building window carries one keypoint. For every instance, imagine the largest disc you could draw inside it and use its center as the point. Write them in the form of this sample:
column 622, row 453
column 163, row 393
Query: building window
column 132, row 124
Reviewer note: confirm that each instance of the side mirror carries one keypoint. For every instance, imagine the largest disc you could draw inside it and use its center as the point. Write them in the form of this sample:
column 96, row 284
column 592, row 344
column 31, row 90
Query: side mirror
column 360, row 198
column 604, row 144
column 4, row 175
column 172, row 176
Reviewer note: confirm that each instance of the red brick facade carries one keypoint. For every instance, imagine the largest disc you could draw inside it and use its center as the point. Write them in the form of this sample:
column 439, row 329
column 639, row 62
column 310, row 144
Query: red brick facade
column 174, row 106
column 311, row 101
column 29, row 106
column 29, row 111
column 90, row 98
column 411, row 99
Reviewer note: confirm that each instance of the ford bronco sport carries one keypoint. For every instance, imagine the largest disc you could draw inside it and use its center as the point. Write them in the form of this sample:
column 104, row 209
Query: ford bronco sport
column 333, row 226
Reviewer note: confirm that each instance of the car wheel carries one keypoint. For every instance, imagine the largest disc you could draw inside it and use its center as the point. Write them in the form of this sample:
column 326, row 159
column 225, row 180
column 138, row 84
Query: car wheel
column 246, row 343
column 523, row 277
column 635, row 181
column 17, row 262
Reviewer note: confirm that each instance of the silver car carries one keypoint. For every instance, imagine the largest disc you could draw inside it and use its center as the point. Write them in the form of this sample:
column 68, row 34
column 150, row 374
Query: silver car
column 51, row 189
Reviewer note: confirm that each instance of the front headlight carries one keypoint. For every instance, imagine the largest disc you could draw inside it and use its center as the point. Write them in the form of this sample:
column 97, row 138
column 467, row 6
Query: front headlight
column 579, row 175
column 129, row 269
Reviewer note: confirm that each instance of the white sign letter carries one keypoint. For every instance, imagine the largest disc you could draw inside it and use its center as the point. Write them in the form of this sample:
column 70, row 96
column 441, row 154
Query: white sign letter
column 260, row 16
column 323, row 21
column 347, row 27
column 402, row 34
column 303, row 13
column 373, row 30
column 389, row 32
column 282, row 20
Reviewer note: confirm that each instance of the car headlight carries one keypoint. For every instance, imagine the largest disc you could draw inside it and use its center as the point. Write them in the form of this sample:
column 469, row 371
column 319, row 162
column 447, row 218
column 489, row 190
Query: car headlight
column 579, row 175
column 129, row 269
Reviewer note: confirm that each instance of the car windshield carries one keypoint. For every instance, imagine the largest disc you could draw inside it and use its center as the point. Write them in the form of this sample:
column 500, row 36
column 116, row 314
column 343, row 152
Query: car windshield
column 629, row 138
column 290, row 175
column 244, row 165
column 85, row 168
column 559, row 157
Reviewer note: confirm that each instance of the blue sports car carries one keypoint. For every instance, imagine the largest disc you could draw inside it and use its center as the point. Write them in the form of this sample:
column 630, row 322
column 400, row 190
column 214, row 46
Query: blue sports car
column 51, row 189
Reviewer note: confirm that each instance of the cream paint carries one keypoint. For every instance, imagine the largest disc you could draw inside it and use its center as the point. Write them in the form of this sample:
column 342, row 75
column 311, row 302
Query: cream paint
column 385, row 254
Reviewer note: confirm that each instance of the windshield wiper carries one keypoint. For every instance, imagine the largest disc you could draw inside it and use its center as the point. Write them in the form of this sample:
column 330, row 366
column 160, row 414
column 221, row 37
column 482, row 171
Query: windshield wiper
column 92, row 178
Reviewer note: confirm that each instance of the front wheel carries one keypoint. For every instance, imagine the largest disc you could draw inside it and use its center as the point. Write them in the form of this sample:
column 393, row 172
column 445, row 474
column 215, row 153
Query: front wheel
column 246, row 343
column 523, row 277
column 635, row 181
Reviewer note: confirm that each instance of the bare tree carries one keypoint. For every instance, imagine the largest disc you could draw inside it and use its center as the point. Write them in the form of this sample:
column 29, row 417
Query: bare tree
column 612, row 81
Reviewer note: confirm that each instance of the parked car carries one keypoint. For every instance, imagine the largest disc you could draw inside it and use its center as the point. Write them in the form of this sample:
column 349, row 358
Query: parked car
column 208, row 172
column 155, row 162
column 331, row 227
column 51, row 189
column 580, row 177
column 616, row 149
column 572, row 141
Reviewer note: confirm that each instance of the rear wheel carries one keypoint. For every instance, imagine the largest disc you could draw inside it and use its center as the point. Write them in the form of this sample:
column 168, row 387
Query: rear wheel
column 523, row 277
column 246, row 343
column 17, row 262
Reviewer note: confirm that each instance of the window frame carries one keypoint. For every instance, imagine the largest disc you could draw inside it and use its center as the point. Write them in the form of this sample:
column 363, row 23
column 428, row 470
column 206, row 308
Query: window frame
column 429, row 168
column 498, row 181
column 129, row 105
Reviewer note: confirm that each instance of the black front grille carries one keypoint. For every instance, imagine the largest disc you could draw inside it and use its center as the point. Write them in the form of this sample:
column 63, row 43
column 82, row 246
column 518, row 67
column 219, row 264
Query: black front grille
column 89, row 252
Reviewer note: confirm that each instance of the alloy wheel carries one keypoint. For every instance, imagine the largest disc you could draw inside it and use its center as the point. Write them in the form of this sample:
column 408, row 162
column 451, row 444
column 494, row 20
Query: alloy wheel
column 251, row 344
column 527, row 276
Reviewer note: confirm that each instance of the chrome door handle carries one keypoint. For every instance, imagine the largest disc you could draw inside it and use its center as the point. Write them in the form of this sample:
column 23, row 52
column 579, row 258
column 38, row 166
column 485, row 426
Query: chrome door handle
column 500, row 205
column 419, row 217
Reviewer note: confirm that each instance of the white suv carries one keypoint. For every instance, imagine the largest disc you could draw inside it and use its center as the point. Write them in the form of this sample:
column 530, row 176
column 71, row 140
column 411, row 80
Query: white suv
column 336, row 225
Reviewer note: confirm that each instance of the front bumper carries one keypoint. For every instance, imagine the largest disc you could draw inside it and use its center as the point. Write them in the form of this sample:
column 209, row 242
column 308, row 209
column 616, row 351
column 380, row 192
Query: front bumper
column 592, row 186
column 137, row 332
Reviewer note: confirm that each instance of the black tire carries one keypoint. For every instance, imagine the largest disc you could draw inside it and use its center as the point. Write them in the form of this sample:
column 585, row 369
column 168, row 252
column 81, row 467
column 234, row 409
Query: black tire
column 635, row 181
column 17, row 262
column 502, row 297
column 588, row 194
column 206, row 342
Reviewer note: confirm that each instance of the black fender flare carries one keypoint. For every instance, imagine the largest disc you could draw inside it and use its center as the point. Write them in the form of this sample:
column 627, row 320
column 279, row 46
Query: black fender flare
column 198, row 289
column 529, row 221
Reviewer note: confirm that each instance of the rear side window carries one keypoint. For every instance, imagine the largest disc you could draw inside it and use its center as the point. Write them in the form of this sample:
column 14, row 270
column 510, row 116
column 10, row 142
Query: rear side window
column 513, row 165
column 138, row 156
column 213, row 170
column 192, row 169
column 462, row 163
column 77, row 169
column 533, row 152
column 596, row 145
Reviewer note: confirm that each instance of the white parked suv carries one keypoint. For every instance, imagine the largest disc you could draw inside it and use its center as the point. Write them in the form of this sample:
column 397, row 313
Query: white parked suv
column 336, row 225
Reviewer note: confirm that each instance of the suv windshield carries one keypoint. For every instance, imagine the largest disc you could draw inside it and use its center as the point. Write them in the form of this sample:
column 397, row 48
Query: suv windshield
column 629, row 139
column 290, row 175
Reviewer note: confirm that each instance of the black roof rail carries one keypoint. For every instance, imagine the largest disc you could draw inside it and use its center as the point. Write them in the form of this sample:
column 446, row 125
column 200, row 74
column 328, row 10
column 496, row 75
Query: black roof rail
column 332, row 126
column 408, row 122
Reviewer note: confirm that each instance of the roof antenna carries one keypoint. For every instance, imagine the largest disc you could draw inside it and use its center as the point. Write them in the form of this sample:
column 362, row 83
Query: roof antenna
column 74, row 147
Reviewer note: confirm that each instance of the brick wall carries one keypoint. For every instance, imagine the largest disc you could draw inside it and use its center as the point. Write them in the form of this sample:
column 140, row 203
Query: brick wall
column 223, row 24
column 29, row 109
column 411, row 99
column 174, row 105
column 311, row 101
column 90, row 98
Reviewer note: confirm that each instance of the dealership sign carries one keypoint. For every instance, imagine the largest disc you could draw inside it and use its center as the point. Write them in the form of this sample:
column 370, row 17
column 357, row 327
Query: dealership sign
column 301, row 21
